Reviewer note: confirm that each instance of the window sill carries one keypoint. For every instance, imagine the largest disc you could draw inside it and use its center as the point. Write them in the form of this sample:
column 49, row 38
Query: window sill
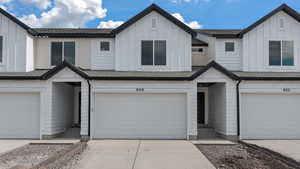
column 282, row 68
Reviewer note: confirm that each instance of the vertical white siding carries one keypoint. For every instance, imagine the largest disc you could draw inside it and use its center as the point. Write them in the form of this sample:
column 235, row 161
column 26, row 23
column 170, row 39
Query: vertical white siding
column 230, row 60
column 62, row 107
column 229, row 117
column 217, row 107
column 128, row 45
column 14, row 49
column 256, row 43
column 67, row 75
column 30, row 45
column 102, row 60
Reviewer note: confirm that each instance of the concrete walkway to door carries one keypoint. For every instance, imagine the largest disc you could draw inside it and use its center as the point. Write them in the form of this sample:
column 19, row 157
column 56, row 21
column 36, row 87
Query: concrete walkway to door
column 134, row 154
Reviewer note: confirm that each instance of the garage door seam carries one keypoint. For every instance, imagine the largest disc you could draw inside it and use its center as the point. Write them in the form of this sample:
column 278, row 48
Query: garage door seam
column 136, row 154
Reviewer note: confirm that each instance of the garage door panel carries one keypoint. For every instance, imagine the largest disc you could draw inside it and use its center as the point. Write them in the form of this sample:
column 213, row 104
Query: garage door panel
column 270, row 116
column 148, row 116
column 19, row 115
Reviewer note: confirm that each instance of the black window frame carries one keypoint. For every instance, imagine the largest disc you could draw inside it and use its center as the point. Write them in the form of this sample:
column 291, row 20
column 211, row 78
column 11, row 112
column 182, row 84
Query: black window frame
column 63, row 52
column 156, row 60
column 229, row 48
column 281, row 62
column 102, row 46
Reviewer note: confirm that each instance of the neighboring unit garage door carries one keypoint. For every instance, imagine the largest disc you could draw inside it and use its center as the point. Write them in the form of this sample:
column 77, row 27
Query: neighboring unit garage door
column 19, row 115
column 270, row 116
column 139, row 116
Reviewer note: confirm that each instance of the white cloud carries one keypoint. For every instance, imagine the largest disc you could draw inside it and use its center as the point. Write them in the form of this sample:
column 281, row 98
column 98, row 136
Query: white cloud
column 42, row 4
column 110, row 24
column 4, row 1
column 67, row 13
column 192, row 24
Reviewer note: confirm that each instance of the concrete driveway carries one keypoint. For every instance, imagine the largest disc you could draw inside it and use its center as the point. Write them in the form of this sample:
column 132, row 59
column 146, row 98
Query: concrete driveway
column 134, row 154
column 8, row 145
column 289, row 148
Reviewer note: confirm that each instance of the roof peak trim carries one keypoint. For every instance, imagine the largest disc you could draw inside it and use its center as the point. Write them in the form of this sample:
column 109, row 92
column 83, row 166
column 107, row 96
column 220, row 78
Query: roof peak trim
column 154, row 7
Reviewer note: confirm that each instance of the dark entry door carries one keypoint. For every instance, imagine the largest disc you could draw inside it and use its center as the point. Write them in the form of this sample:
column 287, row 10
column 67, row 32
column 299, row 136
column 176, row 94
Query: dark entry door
column 201, row 108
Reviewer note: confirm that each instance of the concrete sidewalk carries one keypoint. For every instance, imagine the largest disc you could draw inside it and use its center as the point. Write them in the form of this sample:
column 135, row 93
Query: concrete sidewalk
column 289, row 148
column 8, row 145
column 134, row 154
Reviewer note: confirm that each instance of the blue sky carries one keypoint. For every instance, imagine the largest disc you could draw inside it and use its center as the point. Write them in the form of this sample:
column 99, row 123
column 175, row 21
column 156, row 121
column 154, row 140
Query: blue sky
column 218, row 14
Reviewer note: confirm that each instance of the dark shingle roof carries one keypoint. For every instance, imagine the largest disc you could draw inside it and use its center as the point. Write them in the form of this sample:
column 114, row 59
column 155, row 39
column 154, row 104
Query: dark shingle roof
column 198, row 42
column 268, row 75
column 220, row 33
column 72, row 32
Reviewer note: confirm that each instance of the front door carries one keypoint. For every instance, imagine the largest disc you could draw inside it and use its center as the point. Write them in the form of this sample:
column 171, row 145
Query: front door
column 201, row 108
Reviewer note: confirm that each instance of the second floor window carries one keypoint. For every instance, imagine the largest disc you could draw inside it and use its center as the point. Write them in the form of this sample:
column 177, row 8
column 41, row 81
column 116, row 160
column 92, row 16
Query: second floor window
column 281, row 53
column 104, row 46
column 154, row 52
column 229, row 46
column 62, row 51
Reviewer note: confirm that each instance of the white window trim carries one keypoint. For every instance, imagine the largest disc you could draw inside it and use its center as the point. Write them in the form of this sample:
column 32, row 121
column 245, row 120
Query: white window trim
column 63, row 55
column 279, row 24
column 148, row 67
column 280, row 67
column 234, row 46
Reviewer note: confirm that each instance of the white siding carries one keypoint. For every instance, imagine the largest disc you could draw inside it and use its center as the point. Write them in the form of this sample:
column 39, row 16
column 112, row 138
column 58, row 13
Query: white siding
column 30, row 45
column 67, row 75
column 214, row 76
column 188, row 88
column 200, row 58
column 256, row 43
column 14, row 49
column 230, row 60
column 128, row 45
column 62, row 107
column 102, row 60
column 217, row 107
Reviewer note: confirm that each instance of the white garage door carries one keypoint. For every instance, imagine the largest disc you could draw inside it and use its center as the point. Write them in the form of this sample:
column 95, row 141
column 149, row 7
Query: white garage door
column 270, row 116
column 139, row 116
column 19, row 115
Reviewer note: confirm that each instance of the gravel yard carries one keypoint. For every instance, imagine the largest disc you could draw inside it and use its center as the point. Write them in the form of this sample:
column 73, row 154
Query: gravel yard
column 30, row 155
column 240, row 157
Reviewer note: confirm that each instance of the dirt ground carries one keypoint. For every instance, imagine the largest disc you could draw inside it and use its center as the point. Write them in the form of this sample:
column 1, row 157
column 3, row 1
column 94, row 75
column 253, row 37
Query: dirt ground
column 240, row 157
column 29, row 155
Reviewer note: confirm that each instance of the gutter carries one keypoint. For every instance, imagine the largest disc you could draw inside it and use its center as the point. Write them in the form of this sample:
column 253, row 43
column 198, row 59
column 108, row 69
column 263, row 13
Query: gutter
column 238, row 106
column 89, row 107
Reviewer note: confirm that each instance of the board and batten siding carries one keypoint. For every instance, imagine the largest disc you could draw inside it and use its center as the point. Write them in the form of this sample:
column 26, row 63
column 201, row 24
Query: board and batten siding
column 128, row 45
column 230, row 60
column 256, row 43
column 102, row 60
column 227, row 117
column 65, row 75
column 17, row 47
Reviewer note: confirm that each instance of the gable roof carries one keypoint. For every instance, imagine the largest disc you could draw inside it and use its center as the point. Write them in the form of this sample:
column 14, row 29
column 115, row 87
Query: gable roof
column 60, row 67
column 216, row 66
column 14, row 19
column 285, row 8
column 148, row 10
